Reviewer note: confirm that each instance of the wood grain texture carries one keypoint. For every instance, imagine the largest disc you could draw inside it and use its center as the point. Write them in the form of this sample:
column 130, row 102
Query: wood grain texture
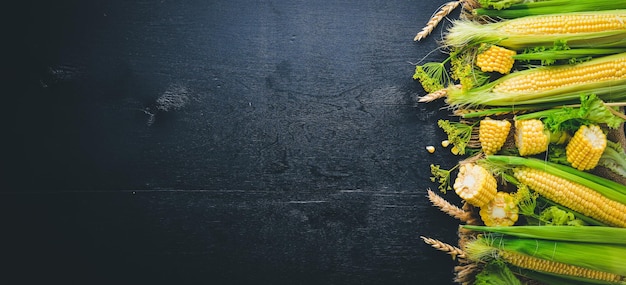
column 239, row 142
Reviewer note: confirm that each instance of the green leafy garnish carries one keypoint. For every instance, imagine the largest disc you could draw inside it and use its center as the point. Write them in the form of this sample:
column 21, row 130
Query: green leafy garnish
column 441, row 176
column 592, row 110
column 432, row 75
column 459, row 134
column 558, row 217
column 496, row 273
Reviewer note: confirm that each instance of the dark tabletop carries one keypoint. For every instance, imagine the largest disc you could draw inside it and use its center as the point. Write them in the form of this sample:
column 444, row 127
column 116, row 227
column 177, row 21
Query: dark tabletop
column 220, row 142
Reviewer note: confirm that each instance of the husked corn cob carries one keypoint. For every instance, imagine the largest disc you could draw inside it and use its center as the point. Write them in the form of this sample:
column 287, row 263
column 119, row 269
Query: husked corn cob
column 572, row 23
column 530, row 137
column 475, row 184
column 500, row 211
column 549, row 85
column 543, row 79
column 496, row 58
column 573, row 195
column 580, row 29
column 543, row 265
column 492, row 134
column 586, row 147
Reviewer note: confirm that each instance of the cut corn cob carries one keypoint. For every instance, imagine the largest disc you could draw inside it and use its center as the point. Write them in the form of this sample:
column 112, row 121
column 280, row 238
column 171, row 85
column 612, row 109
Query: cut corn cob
column 586, row 147
column 475, row 184
column 500, row 211
column 530, row 137
column 492, row 134
column 605, row 77
column 496, row 59
column 582, row 29
column 573, row 195
column 543, row 265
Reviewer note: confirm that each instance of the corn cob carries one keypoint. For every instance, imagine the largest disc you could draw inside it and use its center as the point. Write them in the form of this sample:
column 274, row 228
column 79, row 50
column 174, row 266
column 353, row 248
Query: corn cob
column 550, row 85
column 475, row 184
column 543, row 265
column 496, row 58
column 563, row 76
column 492, row 134
column 500, row 211
column 582, row 29
column 586, row 147
column 573, row 195
column 530, row 137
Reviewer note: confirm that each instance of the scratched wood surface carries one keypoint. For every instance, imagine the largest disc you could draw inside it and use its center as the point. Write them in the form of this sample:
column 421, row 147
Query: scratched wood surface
column 222, row 142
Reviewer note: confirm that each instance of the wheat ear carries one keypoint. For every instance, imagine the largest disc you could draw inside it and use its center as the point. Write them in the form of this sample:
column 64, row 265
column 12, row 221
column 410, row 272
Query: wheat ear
column 464, row 273
column 447, row 207
column 454, row 251
column 444, row 11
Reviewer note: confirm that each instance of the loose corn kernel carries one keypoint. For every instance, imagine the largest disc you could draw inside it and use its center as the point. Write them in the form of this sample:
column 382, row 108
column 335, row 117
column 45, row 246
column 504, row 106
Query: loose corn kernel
column 492, row 134
column 496, row 58
column 475, row 184
column 572, row 195
column 586, row 147
column 445, row 143
column 543, row 79
column 501, row 211
column 530, row 137
column 549, row 266
column 430, row 149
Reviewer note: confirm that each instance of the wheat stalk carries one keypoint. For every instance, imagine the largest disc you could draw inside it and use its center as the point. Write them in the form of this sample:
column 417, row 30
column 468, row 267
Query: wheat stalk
column 447, row 207
column 444, row 11
column 454, row 251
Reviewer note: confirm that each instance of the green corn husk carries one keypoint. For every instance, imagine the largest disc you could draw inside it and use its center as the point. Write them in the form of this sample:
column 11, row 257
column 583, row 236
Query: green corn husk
column 529, row 8
column 590, row 234
column 464, row 32
column 609, row 258
column 567, row 54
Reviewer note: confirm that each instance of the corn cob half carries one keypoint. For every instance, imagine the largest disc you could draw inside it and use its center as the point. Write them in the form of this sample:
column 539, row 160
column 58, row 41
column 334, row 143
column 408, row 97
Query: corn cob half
column 497, row 59
column 530, row 137
column 475, row 184
column 586, row 147
column 492, row 134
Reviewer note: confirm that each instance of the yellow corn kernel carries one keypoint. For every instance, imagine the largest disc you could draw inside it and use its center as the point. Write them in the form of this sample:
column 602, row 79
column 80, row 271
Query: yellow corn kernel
column 543, row 79
column 475, row 184
column 492, row 134
column 572, row 195
column 501, row 211
column 496, row 58
column 530, row 137
column 586, row 147
column 571, row 23
column 430, row 148
column 543, row 265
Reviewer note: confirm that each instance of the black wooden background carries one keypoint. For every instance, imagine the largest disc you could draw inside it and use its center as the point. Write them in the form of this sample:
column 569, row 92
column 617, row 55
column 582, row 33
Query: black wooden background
column 219, row 142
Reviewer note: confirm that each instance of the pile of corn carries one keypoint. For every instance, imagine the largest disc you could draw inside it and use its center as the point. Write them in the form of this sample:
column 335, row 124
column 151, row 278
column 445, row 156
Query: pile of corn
column 539, row 89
